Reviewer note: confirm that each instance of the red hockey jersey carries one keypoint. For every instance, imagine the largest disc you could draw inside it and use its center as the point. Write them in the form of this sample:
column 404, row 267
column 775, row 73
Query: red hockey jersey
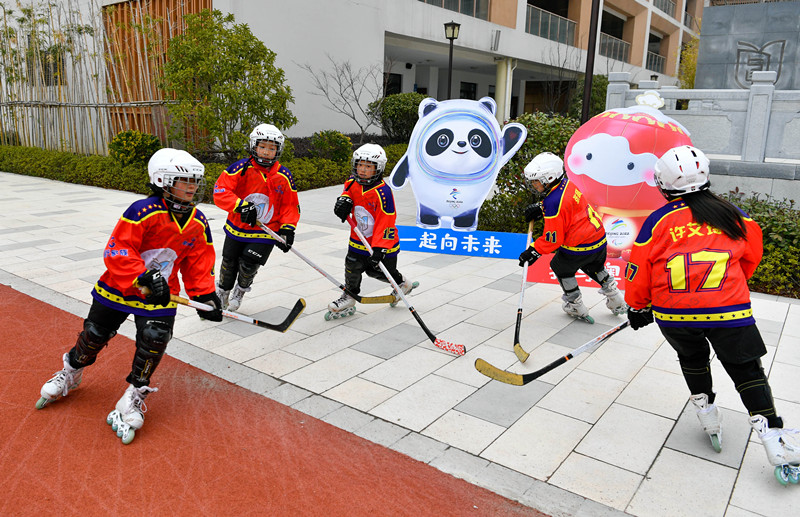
column 692, row 275
column 148, row 236
column 570, row 223
column 271, row 190
column 373, row 211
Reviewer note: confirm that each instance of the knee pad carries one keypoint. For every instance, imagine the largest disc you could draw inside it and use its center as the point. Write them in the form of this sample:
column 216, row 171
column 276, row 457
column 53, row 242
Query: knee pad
column 227, row 273
column 90, row 341
column 247, row 272
column 151, row 342
column 753, row 388
column 602, row 277
column 570, row 287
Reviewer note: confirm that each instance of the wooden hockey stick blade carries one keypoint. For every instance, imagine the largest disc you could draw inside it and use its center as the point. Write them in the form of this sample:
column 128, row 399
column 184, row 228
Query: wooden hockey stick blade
column 518, row 379
column 520, row 352
column 389, row 298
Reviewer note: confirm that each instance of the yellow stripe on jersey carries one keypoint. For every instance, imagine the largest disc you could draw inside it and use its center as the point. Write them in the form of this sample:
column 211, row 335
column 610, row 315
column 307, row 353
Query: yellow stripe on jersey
column 697, row 318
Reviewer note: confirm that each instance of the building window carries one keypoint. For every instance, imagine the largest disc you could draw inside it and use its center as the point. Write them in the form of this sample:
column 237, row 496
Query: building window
column 394, row 84
column 491, row 92
column 469, row 91
column 474, row 8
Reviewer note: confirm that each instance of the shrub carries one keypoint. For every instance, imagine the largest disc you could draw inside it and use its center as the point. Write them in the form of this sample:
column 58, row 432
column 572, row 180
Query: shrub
column 331, row 145
column 777, row 273
column 398, row 114
column 393, row 153
column 310, row 173
column 132, row 147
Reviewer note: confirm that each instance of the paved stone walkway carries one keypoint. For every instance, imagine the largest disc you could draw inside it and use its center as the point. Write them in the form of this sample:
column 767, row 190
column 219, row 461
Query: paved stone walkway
column 608, row 433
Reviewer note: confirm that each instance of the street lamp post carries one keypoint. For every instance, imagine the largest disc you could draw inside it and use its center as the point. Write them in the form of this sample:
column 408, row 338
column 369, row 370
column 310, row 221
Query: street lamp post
column 451, row 33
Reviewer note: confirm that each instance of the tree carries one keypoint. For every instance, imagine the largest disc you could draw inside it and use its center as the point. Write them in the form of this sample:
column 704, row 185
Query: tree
column 355, row 93
column 398, row 114
column 597, row 99
column 688, row 65
column 224, row 82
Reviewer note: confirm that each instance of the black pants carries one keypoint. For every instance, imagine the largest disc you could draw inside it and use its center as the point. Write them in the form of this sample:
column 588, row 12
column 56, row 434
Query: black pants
column 739, row 349
column 241, row 261
column 565, row 265
column 355, row 265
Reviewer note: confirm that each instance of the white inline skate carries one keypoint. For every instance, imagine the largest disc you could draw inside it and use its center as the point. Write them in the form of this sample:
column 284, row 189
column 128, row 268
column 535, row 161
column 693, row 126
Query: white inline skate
column 614, row 299
column 235, row 300
column 344, row 306
column 783, row 449
column 710, row 418
column 128, row 417
column 406, row 287
column 61, row 384
column 576, row 309
column 223, row 297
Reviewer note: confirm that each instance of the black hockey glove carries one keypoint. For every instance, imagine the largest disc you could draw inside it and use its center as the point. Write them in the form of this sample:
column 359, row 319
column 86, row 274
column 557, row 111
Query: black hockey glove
column 640, row 317
column 378, row 254
column 209, row 299
column 534, row 212
column 288, row 237
column 249, row 213
column 530, row 255
column 157, row 287
column 343, row 207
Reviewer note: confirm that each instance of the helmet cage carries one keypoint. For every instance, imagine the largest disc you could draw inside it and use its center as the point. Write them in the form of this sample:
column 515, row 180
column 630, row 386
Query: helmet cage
column 266, row 133
column 171, row 171
column 178, row 196
column 371, row 153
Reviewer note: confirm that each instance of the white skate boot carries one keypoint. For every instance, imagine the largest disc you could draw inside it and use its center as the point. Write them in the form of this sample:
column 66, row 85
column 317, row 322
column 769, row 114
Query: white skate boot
column 576, row 309
column 345, row 305
column 783, row 449
column 406, row 286
column 61, row 384
column 235, row 300
column 710, row 418
column 615, row 301
column 223, row 297
column 128, row 416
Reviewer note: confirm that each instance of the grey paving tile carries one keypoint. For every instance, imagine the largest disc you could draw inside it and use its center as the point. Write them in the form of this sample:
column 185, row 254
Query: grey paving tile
column 19, row 229
column 461, row 464
column 311, row 236
column 317, row 406
column 506, row 284
column 54, row 212
column 288, row 394
column 382, row 432
column 420, row 447
column 28, row 244
column 577, row 333
column 503, row 404
column 688, row 437
column 259, row 383
column 86, row 255
column 348, row 419
column 437, row 261
column 389, row 343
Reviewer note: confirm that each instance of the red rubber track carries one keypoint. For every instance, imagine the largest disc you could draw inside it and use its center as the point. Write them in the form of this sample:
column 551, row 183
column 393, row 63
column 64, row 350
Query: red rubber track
column 208, row 447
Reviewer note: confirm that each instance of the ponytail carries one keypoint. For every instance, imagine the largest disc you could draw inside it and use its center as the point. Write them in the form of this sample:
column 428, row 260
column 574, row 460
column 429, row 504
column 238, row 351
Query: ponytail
column 708, row 208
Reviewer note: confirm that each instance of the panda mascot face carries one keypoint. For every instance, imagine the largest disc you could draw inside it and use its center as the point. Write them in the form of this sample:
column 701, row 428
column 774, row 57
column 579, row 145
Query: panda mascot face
column 454, row 155
column 459, row 146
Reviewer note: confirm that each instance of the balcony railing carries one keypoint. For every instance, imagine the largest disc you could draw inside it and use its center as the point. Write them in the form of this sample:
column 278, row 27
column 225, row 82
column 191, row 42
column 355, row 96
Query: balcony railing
column 474, row 8
column 655, row 62
column 614, row 48
column 668, row 6
column 551, row 26
column 689, row 22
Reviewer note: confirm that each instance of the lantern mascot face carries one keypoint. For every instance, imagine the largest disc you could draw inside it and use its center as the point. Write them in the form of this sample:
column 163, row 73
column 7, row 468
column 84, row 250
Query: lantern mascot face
column 611, row 159
column 454, row 155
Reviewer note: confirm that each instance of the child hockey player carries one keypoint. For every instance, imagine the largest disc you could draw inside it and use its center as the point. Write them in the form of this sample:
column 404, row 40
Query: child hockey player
column 253, row 190
column 371, row 202
column 154, row 239
column 689, row 268
column 573, row 231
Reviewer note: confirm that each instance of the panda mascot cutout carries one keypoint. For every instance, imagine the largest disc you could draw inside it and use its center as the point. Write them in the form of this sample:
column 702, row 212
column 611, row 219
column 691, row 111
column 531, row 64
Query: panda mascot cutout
column 454, row 155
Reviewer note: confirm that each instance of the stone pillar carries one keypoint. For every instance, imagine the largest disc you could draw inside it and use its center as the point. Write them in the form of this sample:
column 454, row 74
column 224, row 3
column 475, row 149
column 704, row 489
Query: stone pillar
column 618, row 86
column 756, row 124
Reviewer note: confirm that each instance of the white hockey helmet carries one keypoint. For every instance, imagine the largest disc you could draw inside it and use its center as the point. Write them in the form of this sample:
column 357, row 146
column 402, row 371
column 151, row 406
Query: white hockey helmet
column 370, row 153
column 682, row 170
column 269, row 133
column 545, row 168
column 178, row 176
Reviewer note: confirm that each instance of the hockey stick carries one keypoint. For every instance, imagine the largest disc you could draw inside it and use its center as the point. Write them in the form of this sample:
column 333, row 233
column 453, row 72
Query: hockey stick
column 283, row 326
column 522, row 355
column 518, row 379
column 440, row 343
column 361, row 299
